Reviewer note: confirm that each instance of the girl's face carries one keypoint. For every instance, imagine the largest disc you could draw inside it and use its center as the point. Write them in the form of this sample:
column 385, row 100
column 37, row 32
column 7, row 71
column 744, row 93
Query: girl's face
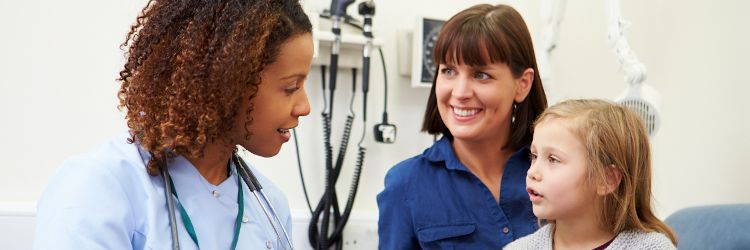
column 557, row 179
column 476, row 103
column 280, row 100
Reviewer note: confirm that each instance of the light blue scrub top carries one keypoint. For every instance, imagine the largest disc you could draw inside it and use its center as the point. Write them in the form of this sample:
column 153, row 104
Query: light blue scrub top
column 106, row 200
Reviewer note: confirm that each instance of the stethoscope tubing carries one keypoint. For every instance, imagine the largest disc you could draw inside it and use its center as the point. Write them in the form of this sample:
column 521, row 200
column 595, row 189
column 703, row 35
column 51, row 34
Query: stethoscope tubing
column 252, row 183
column 257, row 190
column 170, row 209
column 276, row 215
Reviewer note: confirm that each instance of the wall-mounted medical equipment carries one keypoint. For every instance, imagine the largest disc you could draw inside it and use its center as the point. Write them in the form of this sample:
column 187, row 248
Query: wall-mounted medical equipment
column 385, row 132
column 345, row 52
column 415, row 50
column 551, row 12
column 425, row 36
column 639, row 97
column 643, row 99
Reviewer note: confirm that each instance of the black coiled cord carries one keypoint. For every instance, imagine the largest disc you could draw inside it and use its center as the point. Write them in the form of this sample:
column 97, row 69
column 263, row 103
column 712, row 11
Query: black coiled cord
column 321, row 239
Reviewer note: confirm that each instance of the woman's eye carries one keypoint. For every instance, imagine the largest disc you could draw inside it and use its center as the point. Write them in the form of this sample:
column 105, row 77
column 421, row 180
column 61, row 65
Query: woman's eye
column 447, row 71
column 292, row 89
column 482, row 76
column 532, row 156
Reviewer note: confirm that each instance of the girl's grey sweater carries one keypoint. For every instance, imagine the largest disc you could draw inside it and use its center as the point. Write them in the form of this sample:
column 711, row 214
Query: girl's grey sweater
column 630, row 239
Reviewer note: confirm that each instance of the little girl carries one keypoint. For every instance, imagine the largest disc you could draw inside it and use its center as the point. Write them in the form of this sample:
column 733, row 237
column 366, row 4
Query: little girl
column 590, row 180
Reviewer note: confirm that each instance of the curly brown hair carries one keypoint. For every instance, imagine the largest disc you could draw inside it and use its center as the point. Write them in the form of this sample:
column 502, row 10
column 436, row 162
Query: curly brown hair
column 189, row 64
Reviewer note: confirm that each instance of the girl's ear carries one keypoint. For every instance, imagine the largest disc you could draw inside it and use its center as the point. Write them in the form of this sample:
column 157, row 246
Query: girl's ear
column 612, row 180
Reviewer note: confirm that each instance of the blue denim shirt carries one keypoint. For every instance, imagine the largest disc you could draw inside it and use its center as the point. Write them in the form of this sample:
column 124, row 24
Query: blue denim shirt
column 432, row 201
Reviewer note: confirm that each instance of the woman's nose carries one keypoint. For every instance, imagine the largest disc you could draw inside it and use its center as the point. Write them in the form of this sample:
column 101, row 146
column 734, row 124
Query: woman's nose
column 302, row 107
column 462, row 88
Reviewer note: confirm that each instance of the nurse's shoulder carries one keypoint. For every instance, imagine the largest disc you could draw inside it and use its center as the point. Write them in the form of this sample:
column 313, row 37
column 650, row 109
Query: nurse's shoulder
column 112, row 163
column 90, row 199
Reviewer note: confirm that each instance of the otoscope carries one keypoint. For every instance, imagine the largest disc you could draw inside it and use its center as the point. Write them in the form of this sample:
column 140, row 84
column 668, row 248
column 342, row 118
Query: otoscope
column 338, row 12
column 366, row 9
column 328, row 207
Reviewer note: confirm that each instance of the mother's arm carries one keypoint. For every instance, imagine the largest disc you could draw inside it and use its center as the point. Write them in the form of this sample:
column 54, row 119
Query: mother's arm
column 395, row 229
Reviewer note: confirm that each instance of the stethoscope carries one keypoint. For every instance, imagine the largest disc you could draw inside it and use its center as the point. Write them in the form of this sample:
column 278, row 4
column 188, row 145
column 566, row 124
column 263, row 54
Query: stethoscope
column 252, row 183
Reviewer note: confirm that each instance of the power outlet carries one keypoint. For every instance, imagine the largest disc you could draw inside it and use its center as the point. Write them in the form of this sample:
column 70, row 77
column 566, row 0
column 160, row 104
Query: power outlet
column 360, row 233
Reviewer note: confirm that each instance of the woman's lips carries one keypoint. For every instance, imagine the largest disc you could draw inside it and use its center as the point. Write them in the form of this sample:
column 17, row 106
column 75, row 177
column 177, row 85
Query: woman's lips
column 285, row 134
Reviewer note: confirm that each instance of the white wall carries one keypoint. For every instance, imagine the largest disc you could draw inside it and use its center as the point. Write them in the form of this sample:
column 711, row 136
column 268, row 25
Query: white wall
column 58, row 62
column 696, row 53
column 59, row 59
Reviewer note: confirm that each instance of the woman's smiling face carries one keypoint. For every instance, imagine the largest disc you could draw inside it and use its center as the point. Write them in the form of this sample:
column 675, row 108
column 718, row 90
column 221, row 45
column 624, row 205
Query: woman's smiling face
column 280, row 100
column 476, row 102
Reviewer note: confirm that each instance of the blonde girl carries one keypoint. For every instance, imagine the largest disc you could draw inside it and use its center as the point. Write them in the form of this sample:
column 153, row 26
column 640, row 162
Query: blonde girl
column 590, row 180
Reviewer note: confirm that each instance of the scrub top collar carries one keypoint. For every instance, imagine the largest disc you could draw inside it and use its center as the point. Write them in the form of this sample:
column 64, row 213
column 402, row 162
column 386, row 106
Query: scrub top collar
column 181, row 169
column 179, row 160
column 443, row 152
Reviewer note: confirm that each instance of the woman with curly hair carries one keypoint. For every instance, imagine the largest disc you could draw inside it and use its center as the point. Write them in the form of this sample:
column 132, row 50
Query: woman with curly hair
column 201, row 79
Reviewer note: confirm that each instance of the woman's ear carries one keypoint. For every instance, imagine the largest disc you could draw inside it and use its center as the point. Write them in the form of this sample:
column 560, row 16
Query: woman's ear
column 523, row 85
column 612, row 180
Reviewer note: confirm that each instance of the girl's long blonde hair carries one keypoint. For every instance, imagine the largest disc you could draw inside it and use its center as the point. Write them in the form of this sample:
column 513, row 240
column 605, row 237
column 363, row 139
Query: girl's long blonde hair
column 615, row 136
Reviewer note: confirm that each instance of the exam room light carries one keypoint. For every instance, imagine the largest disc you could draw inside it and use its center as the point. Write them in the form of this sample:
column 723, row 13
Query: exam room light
column 639, row 97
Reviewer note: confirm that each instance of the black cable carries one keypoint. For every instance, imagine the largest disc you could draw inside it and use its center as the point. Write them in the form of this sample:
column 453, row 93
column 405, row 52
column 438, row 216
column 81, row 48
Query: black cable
column 323, row 80
column 299, row 166
column 331, row 90
column 385, row 82
column 354, row 91
column 326, row 200
column 296, row 141
column 320, row 239
column 312, row 232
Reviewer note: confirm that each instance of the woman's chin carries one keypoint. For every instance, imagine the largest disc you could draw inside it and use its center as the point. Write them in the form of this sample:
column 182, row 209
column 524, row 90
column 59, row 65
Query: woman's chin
column 464, row 134
column 265, row 152
column 270, row 153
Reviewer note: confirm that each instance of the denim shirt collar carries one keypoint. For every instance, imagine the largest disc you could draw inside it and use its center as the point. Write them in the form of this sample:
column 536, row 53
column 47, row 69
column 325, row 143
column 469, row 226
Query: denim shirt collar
column 442, row 151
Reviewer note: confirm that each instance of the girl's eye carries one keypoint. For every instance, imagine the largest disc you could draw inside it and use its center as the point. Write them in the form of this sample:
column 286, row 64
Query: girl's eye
column 532, row 156
column 553, row 160
column 482, row 76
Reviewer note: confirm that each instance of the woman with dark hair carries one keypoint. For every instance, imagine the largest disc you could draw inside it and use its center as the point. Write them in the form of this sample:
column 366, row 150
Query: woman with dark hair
column 468, row 190
column 201, row 79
